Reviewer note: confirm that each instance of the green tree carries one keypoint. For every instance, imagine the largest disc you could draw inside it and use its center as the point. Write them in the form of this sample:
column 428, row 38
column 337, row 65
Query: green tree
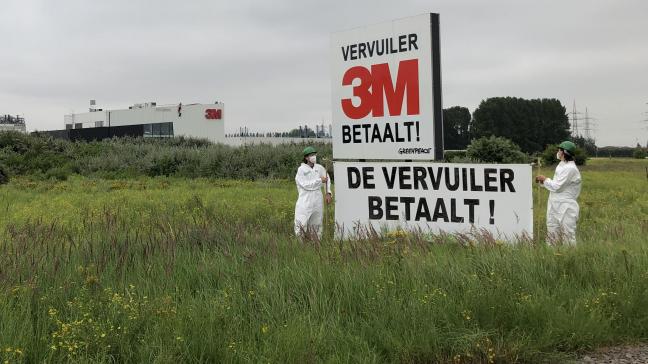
column 549, row 155
column 495, row 150
column 456, row 124
column 531, row 124
column 588, row 144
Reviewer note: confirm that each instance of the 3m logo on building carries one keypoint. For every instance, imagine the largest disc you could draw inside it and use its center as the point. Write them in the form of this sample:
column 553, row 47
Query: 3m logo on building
column 213, row 114
column 386, row 85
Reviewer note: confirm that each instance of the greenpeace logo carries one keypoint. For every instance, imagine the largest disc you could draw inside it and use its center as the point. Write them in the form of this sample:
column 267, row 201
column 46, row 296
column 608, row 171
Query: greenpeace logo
column 414, row 150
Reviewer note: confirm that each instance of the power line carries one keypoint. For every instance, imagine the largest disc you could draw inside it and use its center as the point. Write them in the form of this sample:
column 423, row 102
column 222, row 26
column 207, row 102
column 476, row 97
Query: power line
column 589, row 125
column 574, row 121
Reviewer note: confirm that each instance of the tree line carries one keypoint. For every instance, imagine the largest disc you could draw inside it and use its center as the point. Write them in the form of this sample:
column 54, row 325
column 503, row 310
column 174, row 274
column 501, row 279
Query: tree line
column 531, row 124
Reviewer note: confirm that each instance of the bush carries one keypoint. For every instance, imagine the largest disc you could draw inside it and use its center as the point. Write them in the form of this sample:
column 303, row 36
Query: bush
column 549, row 155
column 495, row 150
column 45, row 157
column 58, row 173
column 4, row 175
column 639, row 153
column 451, row 155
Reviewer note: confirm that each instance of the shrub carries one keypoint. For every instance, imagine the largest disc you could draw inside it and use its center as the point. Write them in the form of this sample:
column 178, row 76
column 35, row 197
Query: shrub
column 4, row 175
column 58, row 173
column 639, row 153
column 549, row 155
column 451, row 155
column 495, row 150
column 132, row 157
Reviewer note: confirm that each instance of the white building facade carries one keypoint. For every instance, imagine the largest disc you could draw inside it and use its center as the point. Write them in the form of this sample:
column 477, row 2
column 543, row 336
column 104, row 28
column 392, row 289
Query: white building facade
column 190, row 120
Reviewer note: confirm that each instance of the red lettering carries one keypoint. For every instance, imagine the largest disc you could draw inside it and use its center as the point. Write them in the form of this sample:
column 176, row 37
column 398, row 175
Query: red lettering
column 213, row 114
column 406, row 82
column 362, row 91
column 376, row 86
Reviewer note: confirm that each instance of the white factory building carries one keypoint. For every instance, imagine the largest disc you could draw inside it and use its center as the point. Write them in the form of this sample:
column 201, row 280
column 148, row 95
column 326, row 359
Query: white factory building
column 152, row 120
column 12, row 123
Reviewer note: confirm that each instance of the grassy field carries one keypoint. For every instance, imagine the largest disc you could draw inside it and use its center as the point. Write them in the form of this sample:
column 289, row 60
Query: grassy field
column 165, row 270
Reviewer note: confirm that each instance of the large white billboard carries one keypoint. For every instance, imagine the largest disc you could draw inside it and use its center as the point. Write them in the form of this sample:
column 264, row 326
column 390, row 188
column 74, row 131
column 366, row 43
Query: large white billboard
column 434, row 197
column 386, row 91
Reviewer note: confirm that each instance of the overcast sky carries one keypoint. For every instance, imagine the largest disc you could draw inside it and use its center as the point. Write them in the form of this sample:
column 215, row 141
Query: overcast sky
column 268, row 61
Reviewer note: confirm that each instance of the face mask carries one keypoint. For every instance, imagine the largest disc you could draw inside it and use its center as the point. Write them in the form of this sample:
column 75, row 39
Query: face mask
column 312, row 159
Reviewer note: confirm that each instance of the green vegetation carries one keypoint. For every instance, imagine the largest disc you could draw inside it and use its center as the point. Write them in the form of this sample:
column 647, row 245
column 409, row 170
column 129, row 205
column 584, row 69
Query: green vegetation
column 531, row 124
column 166, row 270
column 549, row 155
column 495, row 150
column 456, row 128
column 4, row 175
column 45, row 158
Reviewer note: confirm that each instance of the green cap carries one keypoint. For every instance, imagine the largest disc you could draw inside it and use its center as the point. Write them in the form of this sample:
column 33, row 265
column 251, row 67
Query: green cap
column 568, row 146
column 309, row 150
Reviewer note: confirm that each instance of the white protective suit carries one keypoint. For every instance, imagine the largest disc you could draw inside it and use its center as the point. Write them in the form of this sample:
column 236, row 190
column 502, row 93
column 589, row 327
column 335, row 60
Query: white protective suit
column 310, row 206
column 562, row 208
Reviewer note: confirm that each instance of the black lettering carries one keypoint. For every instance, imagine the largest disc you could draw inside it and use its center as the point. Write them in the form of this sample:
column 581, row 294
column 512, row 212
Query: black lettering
column 473, row 185
column 489, row 178
column 408, row 201
column 361, row 50
column 367, row 177
column 471, row 203
column 389, row 179
column 440, row 211
column 380, row 47
column 412, row 41
column 403, row 177
column 345, row 53
column 464, row 179
column 356, row 133
column 391, row 46
column 366, row 129
column 346, row 134
column 376, row 134
column 435, row 179
column 388, row 133
column 399, row 139
column 506, row 178
column 370, row 47
column 423, row 211
column 391, row 205
column 353, row 177
column 375, row 208
column 408, row 125
column 419, row 178
column 354, row 51
column 402, row 43
column 453, row 211
column 454, row 185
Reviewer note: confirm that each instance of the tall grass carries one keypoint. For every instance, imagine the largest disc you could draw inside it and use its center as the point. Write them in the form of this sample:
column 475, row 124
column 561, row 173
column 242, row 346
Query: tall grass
column 170, row 270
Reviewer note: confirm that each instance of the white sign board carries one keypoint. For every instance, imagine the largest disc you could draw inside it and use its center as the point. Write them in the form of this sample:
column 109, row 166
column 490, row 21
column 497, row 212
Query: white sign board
column 386, row 91
column 434, row 197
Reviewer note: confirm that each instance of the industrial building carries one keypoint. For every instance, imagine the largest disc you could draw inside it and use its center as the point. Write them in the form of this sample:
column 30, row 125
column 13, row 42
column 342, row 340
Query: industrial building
column 147, row 120
column 12, row 123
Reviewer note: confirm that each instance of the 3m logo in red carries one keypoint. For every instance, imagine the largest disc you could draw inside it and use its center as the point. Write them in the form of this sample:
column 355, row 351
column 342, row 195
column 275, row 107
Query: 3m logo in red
column 213, row 114
column 376, row 85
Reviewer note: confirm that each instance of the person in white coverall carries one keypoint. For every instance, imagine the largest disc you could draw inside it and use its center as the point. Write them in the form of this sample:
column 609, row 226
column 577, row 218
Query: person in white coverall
column 309, row 208
column 564, row 188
